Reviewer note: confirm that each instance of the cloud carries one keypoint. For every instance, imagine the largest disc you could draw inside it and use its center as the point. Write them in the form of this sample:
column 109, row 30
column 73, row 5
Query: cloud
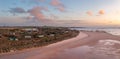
column 90, row 13
column 29, row 17
column 37, row 12
column 17, row 10
column 61, row 8
column 58, row 5
column 53, row 16
column 12, row 19
column 101, row 12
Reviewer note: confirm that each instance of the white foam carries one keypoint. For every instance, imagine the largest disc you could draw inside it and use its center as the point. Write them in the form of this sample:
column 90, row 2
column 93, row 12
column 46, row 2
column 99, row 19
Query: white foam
column 109, row 42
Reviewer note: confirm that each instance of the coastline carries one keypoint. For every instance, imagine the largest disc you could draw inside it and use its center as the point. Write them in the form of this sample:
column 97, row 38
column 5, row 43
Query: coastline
column 32, row 48
column 51, row 51
column 21, row 40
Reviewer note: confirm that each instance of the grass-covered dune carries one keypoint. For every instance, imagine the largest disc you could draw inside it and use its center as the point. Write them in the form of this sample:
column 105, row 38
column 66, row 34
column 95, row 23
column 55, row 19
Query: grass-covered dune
column 43, row 36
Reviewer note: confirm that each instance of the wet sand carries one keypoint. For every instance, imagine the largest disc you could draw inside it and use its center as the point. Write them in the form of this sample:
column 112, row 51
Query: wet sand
column 87, row 45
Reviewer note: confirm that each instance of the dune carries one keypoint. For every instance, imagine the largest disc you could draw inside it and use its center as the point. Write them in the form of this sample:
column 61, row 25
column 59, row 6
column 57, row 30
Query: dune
column 86, row 45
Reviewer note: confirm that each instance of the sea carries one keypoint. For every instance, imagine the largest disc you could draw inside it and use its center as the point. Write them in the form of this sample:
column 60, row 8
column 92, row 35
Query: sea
column 113, row 31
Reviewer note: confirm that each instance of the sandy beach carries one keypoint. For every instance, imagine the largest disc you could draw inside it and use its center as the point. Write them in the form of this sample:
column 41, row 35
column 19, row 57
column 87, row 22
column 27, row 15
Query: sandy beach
column 87, row 45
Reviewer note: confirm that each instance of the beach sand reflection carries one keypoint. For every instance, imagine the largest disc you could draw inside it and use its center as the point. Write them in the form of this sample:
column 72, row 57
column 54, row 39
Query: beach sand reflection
column 104, row 49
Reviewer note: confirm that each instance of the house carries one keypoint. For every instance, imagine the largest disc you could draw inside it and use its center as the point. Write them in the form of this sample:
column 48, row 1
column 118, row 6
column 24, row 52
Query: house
column 30, row 29
column 40, row 36
column 28, row 36
column 66, row 31
column 12, row 33
column 52, row 34
column 13, row 38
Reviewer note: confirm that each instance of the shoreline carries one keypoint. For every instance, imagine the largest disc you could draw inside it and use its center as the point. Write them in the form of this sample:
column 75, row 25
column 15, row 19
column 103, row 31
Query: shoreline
column 51, row 50
column 32, row 48
column 14, row 42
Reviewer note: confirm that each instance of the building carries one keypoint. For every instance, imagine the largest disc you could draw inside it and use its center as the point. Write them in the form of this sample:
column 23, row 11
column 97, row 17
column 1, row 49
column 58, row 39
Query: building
column 30, row 29
column 13, row 38
column 27, row 36
column 40, row 36
column 52, row 34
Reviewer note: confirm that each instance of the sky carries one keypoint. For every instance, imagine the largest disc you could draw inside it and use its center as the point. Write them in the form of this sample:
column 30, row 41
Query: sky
column 59, row 13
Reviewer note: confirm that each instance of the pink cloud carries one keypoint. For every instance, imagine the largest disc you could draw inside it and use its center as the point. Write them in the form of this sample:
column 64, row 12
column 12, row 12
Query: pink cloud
column 101, row 12
column 58, row 5
column 61, row 8
column 37, row 12
column 90, row 13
